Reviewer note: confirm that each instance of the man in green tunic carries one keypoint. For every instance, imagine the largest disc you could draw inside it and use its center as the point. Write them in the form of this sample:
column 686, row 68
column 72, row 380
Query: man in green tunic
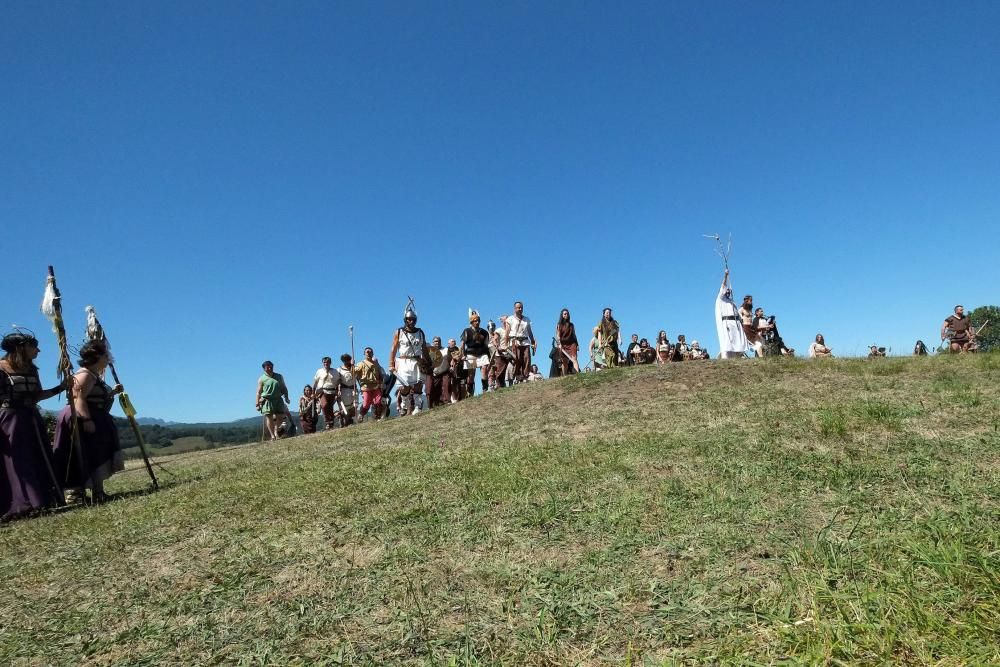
column 270, row 390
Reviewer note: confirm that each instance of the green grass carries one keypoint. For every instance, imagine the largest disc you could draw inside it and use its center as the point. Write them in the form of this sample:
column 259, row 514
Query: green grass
column 723, row 513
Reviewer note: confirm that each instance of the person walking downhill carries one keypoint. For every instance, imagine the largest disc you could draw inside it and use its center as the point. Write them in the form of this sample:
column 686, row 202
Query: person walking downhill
column 521, row 340
column 325, row 384
column 271, row 390
column 345, row 390
column 474, row 345
column 567, row 344
column 407, row 355
column 370, row 376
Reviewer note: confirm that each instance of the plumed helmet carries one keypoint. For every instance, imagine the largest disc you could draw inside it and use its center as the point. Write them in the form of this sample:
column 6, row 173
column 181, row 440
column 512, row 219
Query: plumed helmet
column 474, row 315
column 410, row 312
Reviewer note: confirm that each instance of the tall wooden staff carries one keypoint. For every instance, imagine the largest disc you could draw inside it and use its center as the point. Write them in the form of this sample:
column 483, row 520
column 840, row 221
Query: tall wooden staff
column 96, row 332
column 52, row 309
column 354, row 371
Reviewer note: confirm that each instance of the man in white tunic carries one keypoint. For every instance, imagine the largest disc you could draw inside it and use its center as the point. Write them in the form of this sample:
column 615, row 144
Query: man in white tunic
column 732, row 340
column 409, row 352
column 522, row 342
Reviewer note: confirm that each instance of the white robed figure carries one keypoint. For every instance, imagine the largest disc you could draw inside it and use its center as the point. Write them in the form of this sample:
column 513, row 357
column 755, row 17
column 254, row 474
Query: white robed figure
column 732, row 341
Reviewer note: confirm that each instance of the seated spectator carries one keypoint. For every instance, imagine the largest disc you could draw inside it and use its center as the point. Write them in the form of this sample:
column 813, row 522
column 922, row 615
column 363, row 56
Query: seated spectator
column 696, row 352
column 681, row 350
column 535, row 375
column 919, row 349
column 818, row 348
column 630, row 358
column 644, row 354
column 876, row 351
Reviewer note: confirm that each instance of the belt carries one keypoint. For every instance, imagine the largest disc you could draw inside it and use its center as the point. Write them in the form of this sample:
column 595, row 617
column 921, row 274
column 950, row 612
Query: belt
column 10, row 404
column 729, row 317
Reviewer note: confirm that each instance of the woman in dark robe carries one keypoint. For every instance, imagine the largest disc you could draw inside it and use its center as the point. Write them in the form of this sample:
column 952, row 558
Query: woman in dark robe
column 27, row 479
column 99, row 454
column 567, row 346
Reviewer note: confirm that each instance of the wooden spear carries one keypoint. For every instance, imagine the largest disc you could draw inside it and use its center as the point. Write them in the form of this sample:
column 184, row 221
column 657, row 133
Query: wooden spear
column 96, row 332
column 52, row 309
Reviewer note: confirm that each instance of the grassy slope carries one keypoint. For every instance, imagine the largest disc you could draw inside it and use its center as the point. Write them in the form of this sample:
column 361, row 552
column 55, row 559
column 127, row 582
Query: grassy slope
column 726, row 512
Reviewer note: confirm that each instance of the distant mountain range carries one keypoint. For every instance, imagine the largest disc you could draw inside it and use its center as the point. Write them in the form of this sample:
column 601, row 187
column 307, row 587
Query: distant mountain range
column 151, row 421
column 155, row 421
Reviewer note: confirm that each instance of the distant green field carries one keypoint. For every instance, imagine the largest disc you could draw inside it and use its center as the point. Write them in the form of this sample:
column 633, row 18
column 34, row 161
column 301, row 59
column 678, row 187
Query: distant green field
column 830, row 512
column 178, row 446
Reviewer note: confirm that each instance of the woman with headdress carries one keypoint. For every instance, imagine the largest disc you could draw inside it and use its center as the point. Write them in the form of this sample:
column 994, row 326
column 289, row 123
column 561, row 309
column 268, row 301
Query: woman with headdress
column 27, row 479
column 308, row 412
column 100, row 454
column 567, row 344
column 609, row 338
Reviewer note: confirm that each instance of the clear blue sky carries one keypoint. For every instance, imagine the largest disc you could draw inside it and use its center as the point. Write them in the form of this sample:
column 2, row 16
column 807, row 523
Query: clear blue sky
column 233, row 181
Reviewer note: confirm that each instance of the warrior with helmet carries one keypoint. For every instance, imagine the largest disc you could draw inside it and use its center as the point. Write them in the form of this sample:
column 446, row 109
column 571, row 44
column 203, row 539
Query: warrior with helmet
column 407, row 359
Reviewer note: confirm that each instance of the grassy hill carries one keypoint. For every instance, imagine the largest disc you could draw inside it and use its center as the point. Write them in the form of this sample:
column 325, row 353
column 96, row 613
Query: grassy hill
column 787, row 511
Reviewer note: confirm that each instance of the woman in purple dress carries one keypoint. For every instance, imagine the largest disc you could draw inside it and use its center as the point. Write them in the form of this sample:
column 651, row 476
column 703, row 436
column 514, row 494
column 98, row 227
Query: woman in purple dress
column 99, row 455
column 27, row 479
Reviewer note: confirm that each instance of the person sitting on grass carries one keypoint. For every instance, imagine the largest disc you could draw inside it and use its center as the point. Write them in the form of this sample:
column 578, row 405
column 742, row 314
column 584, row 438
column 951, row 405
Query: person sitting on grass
column 818, row 348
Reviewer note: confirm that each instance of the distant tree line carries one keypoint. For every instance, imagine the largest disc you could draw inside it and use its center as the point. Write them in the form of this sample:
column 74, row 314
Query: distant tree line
column 156, row 435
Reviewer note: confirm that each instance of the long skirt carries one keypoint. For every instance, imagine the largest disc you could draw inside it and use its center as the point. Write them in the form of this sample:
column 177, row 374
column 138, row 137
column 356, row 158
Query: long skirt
column 25, row 481
column 308, row 423
column 99, row 456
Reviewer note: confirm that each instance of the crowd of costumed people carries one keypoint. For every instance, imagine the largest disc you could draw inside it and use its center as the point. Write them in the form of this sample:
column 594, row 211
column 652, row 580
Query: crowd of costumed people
column 41, row 470
column 428, row 372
